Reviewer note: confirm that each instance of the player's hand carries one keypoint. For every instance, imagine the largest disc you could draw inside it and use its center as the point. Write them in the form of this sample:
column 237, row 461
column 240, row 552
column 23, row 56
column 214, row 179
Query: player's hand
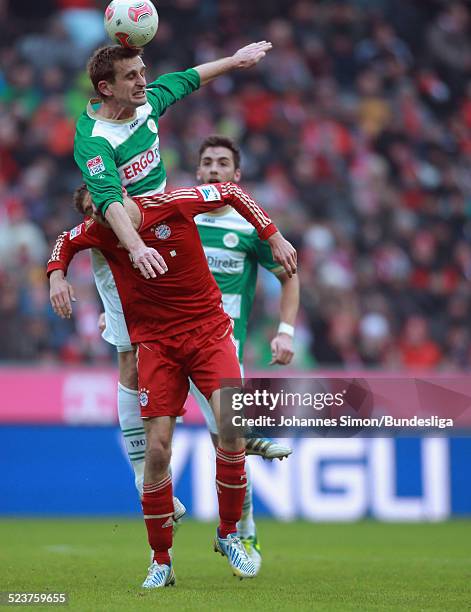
column 61, row 294
column 102, row 322
column 281, row 349
column 251, row 54
column 148, row 260
column 283, row 253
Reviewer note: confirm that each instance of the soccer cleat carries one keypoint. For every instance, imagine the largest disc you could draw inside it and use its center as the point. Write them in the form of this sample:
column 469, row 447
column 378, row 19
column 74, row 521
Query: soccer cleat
column 232, row 548
column 254, row 553
column 159, row 576
column 179, row 510
column 266, row 448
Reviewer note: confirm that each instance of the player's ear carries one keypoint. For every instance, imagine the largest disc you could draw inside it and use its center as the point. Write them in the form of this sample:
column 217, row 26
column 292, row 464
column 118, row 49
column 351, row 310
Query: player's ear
column 198, row 175
column 237, row 175
column 104, row 89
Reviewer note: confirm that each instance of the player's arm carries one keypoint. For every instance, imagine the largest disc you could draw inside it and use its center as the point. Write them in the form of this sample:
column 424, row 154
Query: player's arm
column 243, row 58
column 171, row 87
column 212, row 196
column 94, row 156
column 282, row 348
column 67, row 245
column 282, row 344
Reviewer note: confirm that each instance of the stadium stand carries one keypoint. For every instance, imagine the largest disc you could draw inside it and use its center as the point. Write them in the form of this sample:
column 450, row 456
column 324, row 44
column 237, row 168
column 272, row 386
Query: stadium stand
column 355, row 134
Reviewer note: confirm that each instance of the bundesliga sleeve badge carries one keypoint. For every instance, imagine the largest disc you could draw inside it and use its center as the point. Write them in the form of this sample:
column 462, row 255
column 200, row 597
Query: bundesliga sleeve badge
column 210, row 193
column 96, row 165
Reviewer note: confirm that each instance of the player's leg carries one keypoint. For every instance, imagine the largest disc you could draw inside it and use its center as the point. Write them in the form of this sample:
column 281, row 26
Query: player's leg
column 157, row 499
column 129, row 414
column 246, row 528
column 115, row 332
column 214, row 359
column 163, row 388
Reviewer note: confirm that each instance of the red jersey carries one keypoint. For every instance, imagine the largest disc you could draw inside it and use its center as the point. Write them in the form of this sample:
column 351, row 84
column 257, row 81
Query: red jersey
column 187, row 294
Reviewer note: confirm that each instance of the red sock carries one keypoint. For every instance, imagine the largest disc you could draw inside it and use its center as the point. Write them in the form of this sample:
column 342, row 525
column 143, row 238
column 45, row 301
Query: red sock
column 157, row 505
column 231, row 483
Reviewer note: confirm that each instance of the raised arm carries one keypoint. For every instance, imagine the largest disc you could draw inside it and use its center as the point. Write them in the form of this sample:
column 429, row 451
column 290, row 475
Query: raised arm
column 243, row 58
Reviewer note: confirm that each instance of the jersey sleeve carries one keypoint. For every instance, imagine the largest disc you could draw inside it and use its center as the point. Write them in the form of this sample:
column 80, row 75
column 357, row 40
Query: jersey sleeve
column 68, row 244
column 95, row 158
column 214, row 196
column 169, row 88
column 192, row 201
column 264, row 257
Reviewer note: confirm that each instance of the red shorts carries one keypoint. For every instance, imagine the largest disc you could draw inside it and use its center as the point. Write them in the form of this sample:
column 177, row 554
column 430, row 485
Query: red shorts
column 206, row 353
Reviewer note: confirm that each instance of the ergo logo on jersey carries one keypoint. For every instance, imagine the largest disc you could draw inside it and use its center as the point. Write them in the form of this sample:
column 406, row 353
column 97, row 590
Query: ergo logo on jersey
column 151, row 157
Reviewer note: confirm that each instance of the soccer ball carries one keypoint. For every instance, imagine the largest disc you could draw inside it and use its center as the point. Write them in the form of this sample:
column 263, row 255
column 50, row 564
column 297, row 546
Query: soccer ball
column 131, row 23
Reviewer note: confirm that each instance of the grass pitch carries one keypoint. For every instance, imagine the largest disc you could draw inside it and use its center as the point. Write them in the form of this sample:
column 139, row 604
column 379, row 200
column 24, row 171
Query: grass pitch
column 362, row 566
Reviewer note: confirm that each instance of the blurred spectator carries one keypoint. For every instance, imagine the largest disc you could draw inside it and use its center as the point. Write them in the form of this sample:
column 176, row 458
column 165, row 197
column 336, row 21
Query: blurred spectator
column 355, row 132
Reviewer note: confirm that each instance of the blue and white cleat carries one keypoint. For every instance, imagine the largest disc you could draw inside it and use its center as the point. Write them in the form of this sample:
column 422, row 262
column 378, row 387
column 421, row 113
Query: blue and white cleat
column 232, row 548
column 266, row 448
column 159, row 576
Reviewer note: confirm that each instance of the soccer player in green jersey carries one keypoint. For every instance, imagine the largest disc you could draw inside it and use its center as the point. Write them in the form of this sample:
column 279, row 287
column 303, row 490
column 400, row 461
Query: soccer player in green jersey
column 234, row 252
column 117, row 145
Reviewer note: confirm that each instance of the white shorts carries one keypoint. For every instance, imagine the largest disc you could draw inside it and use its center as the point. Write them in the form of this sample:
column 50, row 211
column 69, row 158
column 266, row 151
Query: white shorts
column 205, row 406
column 116, row 331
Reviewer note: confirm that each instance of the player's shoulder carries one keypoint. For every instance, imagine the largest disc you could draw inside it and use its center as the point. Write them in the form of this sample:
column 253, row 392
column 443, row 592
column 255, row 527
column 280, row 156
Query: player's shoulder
column 87, row 225
column 228, row 220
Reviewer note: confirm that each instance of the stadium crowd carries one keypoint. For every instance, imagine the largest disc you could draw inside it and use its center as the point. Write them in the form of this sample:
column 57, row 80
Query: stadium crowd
column 355, row 133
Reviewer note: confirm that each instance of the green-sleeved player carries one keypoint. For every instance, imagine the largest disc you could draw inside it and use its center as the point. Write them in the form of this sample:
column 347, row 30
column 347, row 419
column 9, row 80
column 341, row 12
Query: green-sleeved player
column 234, row 252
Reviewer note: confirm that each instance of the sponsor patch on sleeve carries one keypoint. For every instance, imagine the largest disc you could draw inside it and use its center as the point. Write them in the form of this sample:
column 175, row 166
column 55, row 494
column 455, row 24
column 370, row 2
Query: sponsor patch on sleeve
column 95, row 165
column 76, row 231
column 210, row 193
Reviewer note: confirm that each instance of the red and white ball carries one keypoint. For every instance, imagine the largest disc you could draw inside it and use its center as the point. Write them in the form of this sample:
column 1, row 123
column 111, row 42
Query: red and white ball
column 131, row 23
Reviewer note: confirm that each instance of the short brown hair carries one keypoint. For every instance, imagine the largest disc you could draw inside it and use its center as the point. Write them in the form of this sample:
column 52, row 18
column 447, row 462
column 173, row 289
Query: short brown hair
column 101, row 65
column 221, row 141
column 79, row 197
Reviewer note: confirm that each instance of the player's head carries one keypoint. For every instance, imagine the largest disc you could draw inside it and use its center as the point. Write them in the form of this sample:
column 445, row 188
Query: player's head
column 118, row 74
column 83, row 202
column 219, row 160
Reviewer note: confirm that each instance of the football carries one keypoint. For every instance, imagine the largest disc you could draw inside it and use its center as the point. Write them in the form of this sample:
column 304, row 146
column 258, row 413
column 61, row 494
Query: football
column 131, row 23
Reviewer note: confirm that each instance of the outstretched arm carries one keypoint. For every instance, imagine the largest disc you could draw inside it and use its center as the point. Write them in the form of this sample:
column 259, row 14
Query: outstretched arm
column 243, row 58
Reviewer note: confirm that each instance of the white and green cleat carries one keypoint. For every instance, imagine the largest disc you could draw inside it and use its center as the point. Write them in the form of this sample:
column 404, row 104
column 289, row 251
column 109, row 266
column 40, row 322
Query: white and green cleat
column 179, row 512
column 232, row 548
column 254, row 553
column 159, row 576
column 266, row 448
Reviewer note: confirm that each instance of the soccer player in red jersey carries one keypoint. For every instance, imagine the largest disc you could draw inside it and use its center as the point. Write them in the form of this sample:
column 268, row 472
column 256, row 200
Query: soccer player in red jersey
column 181, row 331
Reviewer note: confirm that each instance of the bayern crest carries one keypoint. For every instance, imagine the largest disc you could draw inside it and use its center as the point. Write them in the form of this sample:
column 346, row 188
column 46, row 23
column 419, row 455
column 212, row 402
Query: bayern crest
column 162, row 232
column 144, row 397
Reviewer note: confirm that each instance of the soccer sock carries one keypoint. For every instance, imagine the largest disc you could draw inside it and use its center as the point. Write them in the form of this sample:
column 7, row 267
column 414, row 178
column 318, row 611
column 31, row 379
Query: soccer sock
column 246, row 525
column 157, row 505
column 231, row 484
column 130, row 421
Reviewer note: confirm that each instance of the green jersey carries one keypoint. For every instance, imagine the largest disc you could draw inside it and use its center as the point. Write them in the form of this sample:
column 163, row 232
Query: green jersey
column 126, row 153
column 234, row 250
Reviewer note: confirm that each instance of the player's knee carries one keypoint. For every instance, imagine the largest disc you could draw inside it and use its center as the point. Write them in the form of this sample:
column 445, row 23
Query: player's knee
column 158, row 455
column 128, row 369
